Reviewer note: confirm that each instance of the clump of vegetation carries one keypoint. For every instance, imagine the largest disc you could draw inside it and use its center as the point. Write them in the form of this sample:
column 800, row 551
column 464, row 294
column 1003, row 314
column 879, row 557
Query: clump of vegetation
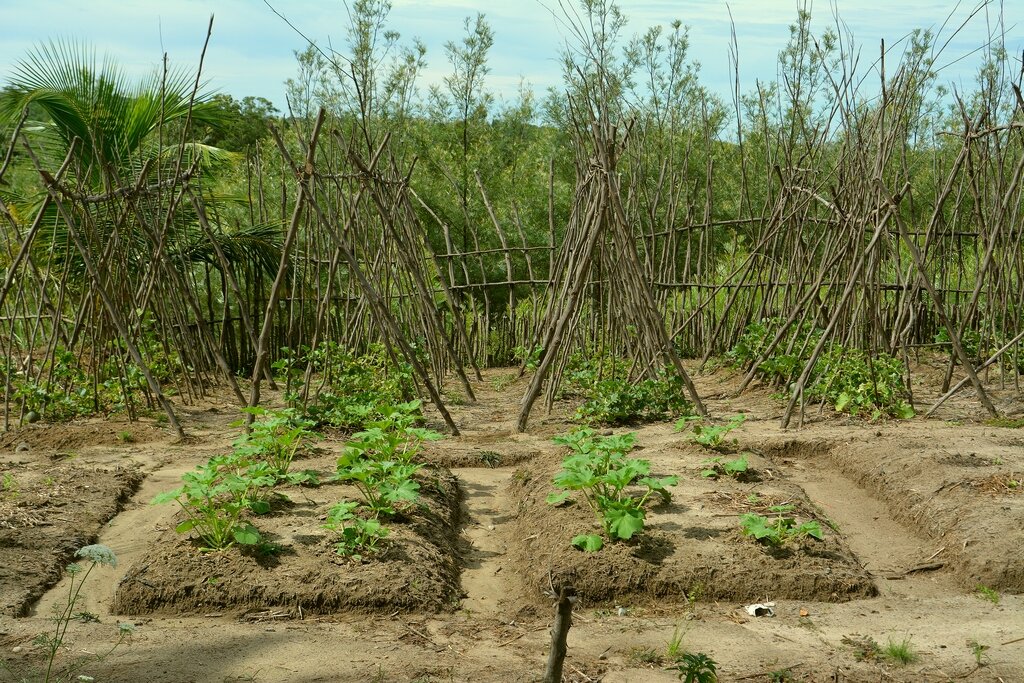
column 380, row 463
column 900, row 652
column 784, row 363
column 644, row 656
column 62, row 387
column 865, row 648
column 850, row 379
column 356, row 535
column 674, row 648
column 697, row 667
column 986, row 593
column 528, row 357
column 216, row 496
column 348, row 390
column 9, row 486
column 780, row 528
column 611, row 398
column 854, row 382
column 979, row 651
column 710, row 436
column 718, row 467
column 1006, row 422
column 600, row 469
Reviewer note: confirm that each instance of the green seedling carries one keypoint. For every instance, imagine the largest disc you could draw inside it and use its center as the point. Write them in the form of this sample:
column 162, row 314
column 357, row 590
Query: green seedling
column 357, row 535
column 213, row 500
column 274, row 437
column 776, row 531
column 729, row 468
column 10, row 486
column 979, row 652
column 989, row 594
column 600, row 469
column 675, row 643
column 384, row 484
column 709, row 436
column 1006, row 422
column 697, row 667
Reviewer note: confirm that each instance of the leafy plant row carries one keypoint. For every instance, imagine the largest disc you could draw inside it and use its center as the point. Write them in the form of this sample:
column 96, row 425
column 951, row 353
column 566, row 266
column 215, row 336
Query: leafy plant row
column 380, row 463
column 348, row 389
column 218, row 496
column 611, row 397
column 849, row 379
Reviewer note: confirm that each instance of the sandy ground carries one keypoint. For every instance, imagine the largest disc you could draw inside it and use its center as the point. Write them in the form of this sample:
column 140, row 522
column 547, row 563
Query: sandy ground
column 912, row 503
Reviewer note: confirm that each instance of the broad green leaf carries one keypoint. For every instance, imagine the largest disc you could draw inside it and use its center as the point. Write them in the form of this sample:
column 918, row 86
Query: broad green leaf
column 812, row 529
column 905, row 411
column 624, row 522
column 166, row 497
column 186, row 526
column 737, row 466
column 557, row 498
column 660, row 484
column 404, row 490
column 259, row 507
column 590, row 543
column 246, row 535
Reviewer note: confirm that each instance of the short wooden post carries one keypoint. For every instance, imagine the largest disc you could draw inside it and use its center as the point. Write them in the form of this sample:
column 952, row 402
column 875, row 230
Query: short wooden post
column 559, row 634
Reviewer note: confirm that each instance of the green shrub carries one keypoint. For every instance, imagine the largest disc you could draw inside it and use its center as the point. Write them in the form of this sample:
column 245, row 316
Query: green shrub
column 610, row 398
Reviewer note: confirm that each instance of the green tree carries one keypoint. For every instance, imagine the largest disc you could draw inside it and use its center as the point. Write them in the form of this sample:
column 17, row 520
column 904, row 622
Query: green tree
column 112, row 119
column 243, row 123
column 465, row 100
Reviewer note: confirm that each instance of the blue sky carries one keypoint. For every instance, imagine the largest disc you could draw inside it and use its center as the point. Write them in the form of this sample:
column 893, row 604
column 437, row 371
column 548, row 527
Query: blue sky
column 251, row 51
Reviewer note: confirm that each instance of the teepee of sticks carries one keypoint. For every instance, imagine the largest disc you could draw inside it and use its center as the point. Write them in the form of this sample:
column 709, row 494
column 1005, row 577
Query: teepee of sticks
column 598, row 258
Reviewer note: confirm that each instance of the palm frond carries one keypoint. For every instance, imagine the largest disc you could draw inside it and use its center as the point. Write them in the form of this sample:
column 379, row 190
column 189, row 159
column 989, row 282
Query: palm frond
column 258, row 244
column 97, row 104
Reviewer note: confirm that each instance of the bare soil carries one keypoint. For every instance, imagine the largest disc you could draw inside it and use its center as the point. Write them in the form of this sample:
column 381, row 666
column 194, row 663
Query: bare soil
column 917, row 515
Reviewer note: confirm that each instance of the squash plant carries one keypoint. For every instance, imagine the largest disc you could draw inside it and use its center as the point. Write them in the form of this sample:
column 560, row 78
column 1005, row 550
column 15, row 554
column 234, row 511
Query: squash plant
column 379, row 462
column 213, row 500
column 600, row 469
column 215, row 495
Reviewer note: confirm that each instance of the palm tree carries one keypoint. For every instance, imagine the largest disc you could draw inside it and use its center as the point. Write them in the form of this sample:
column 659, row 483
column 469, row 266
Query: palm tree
column 127, row 136
column 121, row 226
column 112, row 119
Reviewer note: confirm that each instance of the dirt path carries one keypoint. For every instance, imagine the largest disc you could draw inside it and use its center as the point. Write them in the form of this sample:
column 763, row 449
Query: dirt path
column 486, row 506
column 129, row 534
column 886, row 548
